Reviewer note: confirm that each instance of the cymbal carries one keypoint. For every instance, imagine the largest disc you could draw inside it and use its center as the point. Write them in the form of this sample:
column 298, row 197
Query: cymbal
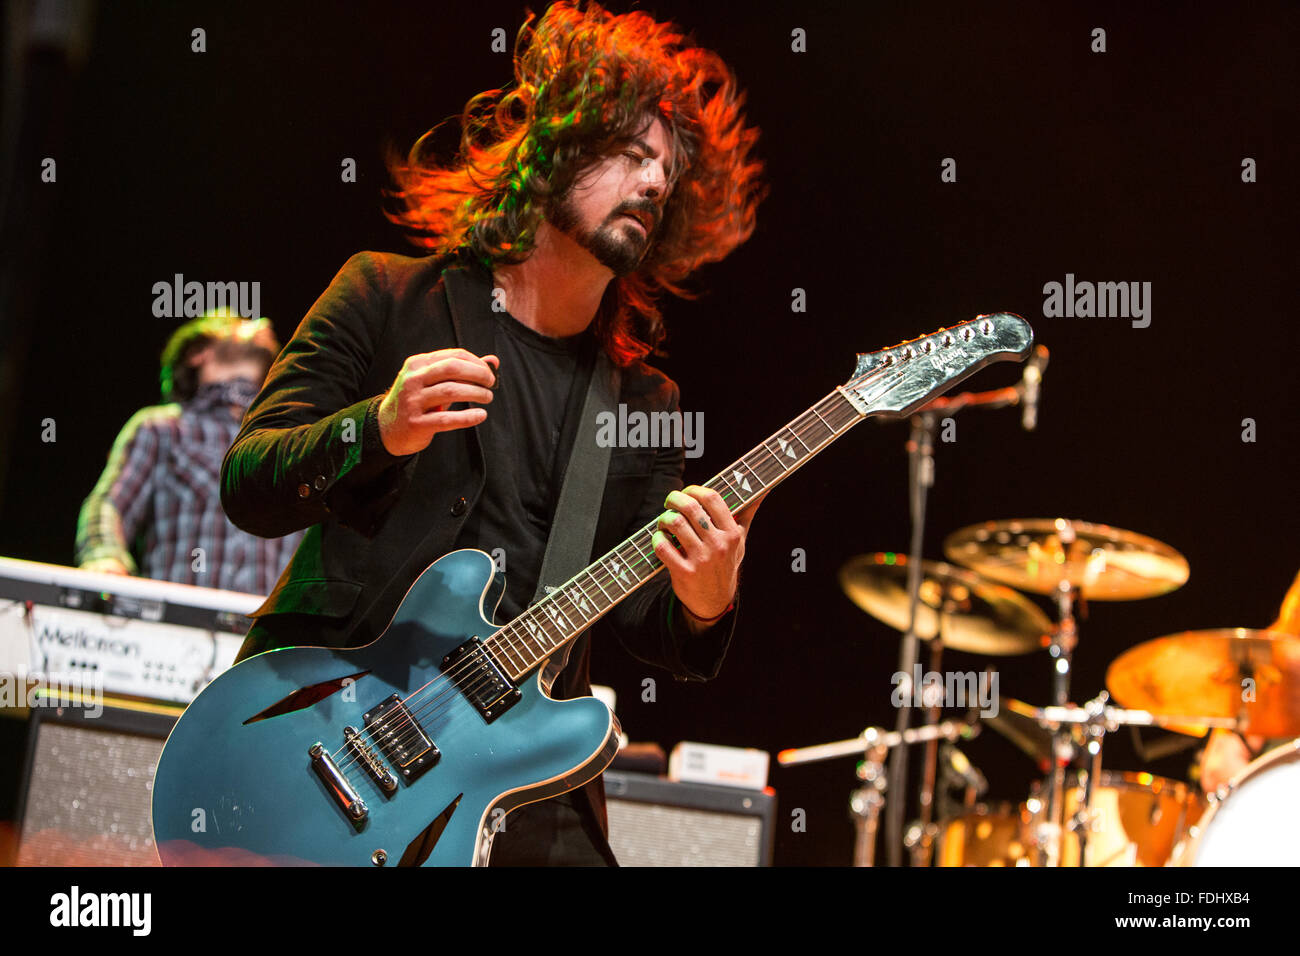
column 1204, row 672
column 973, row 615
column 1038, row 554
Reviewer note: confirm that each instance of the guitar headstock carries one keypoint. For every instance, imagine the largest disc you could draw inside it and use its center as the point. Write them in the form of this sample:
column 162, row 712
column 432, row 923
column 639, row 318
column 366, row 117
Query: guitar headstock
column 902, row 378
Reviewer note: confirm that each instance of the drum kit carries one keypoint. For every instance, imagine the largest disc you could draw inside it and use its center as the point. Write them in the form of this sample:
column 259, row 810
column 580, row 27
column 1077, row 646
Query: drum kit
column 1241, row 680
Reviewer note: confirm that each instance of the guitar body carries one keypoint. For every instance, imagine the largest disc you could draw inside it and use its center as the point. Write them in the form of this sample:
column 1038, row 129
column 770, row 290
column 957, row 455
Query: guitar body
column 232, row 791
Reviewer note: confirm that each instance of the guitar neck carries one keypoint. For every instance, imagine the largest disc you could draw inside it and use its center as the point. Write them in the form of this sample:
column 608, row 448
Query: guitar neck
column 545, row 628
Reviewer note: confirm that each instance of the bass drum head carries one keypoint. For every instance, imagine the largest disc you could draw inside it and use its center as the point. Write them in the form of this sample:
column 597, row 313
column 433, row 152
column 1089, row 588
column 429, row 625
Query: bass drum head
column 1256, row 824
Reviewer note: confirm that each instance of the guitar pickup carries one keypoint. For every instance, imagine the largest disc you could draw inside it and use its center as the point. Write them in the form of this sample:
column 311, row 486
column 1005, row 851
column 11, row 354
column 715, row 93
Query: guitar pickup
column 478, row 676
column 397, row 732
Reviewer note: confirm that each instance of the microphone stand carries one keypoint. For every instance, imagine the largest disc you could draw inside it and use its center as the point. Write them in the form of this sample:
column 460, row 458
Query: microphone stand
column 920, row 456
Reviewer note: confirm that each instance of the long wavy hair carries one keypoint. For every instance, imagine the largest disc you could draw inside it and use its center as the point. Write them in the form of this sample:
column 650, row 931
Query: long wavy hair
column 587, row 82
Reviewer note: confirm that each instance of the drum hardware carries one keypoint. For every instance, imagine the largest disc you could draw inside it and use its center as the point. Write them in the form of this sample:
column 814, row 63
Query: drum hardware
column 1237, row 679
column 1095, row 719
column 872, row 744
column 966, row 821
column 1023, row 731
column 1071, row 561
column 920, row 453
column 922, row 844
column 1134, row 819
column 959, row 772
column 865, row 803
column 1159, row 749
column 953, row 608
column 920, row 458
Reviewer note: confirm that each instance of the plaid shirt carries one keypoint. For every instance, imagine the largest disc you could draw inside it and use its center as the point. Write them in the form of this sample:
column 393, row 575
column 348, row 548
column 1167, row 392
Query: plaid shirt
column 159, row 500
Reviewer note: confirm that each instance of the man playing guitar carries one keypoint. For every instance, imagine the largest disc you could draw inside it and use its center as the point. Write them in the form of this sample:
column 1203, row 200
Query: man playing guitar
column 426, row 404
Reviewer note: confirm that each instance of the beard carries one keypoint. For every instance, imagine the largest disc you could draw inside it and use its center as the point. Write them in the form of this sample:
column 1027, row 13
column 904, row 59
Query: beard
column 615, row 243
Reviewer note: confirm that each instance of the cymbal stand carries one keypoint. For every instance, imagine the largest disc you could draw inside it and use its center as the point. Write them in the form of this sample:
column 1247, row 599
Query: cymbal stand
column 1064, row 639
column 921, row 836
column 1095, row 731
column 865, row 803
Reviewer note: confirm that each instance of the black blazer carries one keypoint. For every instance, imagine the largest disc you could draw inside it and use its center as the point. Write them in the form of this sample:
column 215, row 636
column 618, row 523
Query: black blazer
column 309, row 456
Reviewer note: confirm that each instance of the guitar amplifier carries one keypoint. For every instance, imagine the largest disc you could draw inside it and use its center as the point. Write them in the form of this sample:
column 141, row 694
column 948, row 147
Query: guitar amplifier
column 655, row 822
column 87, row 785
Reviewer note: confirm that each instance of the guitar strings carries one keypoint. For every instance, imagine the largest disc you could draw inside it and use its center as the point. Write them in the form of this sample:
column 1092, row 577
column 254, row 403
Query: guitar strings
column 433, row 709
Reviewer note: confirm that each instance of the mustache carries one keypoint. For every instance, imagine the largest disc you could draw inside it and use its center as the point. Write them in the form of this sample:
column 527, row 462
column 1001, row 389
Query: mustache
column 651, row 211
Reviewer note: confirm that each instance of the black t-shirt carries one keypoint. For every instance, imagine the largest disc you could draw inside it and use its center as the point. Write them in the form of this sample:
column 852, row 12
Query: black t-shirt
column 521, row 441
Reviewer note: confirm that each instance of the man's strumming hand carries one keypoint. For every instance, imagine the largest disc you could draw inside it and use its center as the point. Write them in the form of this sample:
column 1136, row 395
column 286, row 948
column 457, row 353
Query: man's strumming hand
column 415, row 408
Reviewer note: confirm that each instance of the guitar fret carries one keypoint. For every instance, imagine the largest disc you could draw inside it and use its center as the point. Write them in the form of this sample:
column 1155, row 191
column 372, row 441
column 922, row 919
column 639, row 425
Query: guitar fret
column 490, row 645
column 577, row 579
column 557, row 612
column 846, row 409
column 649, row 559
column 602, row 588
column 806, row 426
column 555, row 639
column 512, row 651
column 528, row 635
column 772, row 454
column 614, row 577
column 757, row 476
column 540, row 624
column 578, row 604
column 630, row 565
column 519, row 648
column 824, row 421
column 741, row 481
column 730, row 488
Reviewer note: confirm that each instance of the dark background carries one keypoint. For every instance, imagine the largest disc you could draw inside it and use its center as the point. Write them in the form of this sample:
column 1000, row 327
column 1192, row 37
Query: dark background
column 1115, row 166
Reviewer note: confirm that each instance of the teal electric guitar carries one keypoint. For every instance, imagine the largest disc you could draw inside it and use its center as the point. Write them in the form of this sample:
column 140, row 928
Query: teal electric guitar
column 412, row 749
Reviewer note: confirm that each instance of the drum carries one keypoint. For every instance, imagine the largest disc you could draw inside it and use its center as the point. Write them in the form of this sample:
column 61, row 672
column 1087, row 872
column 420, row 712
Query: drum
column 986, row 836
column 1256, row 823
column 1137, row 819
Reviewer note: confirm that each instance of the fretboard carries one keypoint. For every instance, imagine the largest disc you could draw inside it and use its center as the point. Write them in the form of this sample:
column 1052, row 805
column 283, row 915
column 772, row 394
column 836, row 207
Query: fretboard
column 546, row 627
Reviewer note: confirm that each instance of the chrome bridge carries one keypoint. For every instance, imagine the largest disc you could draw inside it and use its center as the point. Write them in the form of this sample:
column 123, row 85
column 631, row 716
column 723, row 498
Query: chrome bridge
column 337, row 783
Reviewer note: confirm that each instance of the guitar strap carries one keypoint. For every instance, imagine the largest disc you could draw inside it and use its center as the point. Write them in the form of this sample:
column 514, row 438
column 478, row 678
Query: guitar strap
column 573, row 524
column 582, row 482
